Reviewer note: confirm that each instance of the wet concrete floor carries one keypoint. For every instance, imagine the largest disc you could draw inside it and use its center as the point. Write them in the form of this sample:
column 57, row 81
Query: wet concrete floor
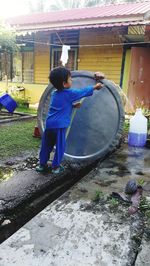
column 86, row 226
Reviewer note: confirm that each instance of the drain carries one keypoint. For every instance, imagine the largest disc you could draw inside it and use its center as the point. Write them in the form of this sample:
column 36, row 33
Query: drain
column 6, row 117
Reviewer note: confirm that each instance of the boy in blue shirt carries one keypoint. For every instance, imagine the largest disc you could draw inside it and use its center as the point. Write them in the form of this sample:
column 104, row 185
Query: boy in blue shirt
column 59, row 116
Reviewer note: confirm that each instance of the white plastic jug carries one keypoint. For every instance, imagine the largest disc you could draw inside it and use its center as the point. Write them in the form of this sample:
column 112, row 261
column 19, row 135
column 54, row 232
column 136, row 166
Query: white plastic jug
column 138, row 129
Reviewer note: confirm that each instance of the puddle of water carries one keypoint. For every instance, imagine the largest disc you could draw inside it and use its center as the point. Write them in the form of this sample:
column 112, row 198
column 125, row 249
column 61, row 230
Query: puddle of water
column 5, row 173
column 147, row 162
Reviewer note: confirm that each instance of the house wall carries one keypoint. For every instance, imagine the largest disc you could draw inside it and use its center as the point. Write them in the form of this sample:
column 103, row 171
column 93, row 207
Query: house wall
column 41, row 59
column 105, row 58
column 127, row 66
column 32, row 91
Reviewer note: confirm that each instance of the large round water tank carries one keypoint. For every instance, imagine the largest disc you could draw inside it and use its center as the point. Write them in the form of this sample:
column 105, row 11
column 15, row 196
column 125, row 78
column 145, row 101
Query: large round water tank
column 97, row 125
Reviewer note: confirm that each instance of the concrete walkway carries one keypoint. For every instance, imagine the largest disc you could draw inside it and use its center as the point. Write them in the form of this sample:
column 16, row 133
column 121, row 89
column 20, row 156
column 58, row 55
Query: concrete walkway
column 85, row 226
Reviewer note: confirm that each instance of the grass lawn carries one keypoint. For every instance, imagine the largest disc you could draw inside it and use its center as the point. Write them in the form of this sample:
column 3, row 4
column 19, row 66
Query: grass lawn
column 17, row 137
column 26, row 110
column 126, row 127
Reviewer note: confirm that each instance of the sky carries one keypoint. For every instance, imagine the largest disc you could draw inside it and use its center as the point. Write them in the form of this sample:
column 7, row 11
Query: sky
column 11, row 8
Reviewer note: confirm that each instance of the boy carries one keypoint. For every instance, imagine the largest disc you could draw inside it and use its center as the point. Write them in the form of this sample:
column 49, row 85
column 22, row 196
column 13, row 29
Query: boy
column 59, row 116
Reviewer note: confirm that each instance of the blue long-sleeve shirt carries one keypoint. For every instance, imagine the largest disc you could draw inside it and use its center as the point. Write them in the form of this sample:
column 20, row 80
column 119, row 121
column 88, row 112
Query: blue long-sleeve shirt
column 60, row 110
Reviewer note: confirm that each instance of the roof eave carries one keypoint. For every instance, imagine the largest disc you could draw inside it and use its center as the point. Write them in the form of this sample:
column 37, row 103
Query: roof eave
column 76, row 23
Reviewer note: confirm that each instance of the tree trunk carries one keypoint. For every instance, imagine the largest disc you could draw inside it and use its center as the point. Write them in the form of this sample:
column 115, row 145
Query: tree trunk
column 6, row 69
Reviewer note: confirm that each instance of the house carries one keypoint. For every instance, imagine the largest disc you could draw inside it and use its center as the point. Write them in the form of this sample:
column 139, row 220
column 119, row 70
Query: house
column 114, row 39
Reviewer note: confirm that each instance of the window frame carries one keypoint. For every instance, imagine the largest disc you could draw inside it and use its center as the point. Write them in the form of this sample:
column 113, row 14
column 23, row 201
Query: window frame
column 54, row 49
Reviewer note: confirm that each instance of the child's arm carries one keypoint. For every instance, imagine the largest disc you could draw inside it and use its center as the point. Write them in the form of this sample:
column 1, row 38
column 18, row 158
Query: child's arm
column 97, row 86
column 77, row 94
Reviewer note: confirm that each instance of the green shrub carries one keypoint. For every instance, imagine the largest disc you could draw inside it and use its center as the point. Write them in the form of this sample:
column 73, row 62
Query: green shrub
column 22, row 101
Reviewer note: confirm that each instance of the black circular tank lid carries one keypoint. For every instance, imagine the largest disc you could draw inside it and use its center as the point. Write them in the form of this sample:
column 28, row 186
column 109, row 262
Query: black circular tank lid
column 97, row 126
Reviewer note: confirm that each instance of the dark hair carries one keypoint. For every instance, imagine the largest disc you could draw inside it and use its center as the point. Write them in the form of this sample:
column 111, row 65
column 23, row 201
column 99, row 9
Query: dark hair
column 59, row 75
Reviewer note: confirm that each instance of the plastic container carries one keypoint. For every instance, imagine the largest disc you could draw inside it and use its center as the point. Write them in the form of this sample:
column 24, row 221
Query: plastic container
column 138, row 129
column 8, row 102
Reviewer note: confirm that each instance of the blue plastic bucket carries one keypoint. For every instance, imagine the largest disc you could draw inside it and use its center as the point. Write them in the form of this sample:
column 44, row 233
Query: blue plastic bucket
column 8, row 102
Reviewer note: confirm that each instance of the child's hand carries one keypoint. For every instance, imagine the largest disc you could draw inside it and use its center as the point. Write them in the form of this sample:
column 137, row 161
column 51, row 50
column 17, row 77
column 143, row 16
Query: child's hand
column 76, row 105
column 98, row 86
column 99, row 75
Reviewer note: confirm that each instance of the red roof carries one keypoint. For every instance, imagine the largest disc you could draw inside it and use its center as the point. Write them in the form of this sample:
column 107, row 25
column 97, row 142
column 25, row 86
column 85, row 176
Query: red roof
column 94, row 26
column 108, row 11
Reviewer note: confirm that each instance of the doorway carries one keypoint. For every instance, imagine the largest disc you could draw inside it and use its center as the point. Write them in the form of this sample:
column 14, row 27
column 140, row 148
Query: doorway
column 139, row 79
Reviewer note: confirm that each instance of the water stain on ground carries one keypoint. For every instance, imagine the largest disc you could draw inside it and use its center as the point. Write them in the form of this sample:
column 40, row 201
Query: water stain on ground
column 5, row 173
column 114, row 172
column 147, row 162
column 10, row 167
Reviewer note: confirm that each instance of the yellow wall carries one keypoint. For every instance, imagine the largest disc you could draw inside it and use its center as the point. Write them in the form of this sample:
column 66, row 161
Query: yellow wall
column 126, row 71
column 107, row 59
column 41, row 59
column 32, row 91
column 41, row 72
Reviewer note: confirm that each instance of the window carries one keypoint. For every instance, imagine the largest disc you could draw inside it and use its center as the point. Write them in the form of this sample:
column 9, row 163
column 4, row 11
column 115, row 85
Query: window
column 23, row 67
column 67, row 38
column 5, row 66
column 18, row 66
column 27, row 67
column 72, row 58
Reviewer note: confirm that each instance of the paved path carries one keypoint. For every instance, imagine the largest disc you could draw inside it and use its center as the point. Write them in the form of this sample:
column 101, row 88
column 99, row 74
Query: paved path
column 77, row 230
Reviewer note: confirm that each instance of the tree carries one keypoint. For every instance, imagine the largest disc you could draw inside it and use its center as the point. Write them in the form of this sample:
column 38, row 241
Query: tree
column 69, row 4
column 38, row 7
column 8, row 45
column 45, row 5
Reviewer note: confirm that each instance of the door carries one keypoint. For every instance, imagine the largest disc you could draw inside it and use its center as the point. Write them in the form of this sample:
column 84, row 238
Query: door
column 139, row 80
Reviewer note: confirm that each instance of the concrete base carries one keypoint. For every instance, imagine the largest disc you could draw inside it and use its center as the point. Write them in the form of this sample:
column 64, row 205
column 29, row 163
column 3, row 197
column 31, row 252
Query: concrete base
column 77, row 230
column 70, row 234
